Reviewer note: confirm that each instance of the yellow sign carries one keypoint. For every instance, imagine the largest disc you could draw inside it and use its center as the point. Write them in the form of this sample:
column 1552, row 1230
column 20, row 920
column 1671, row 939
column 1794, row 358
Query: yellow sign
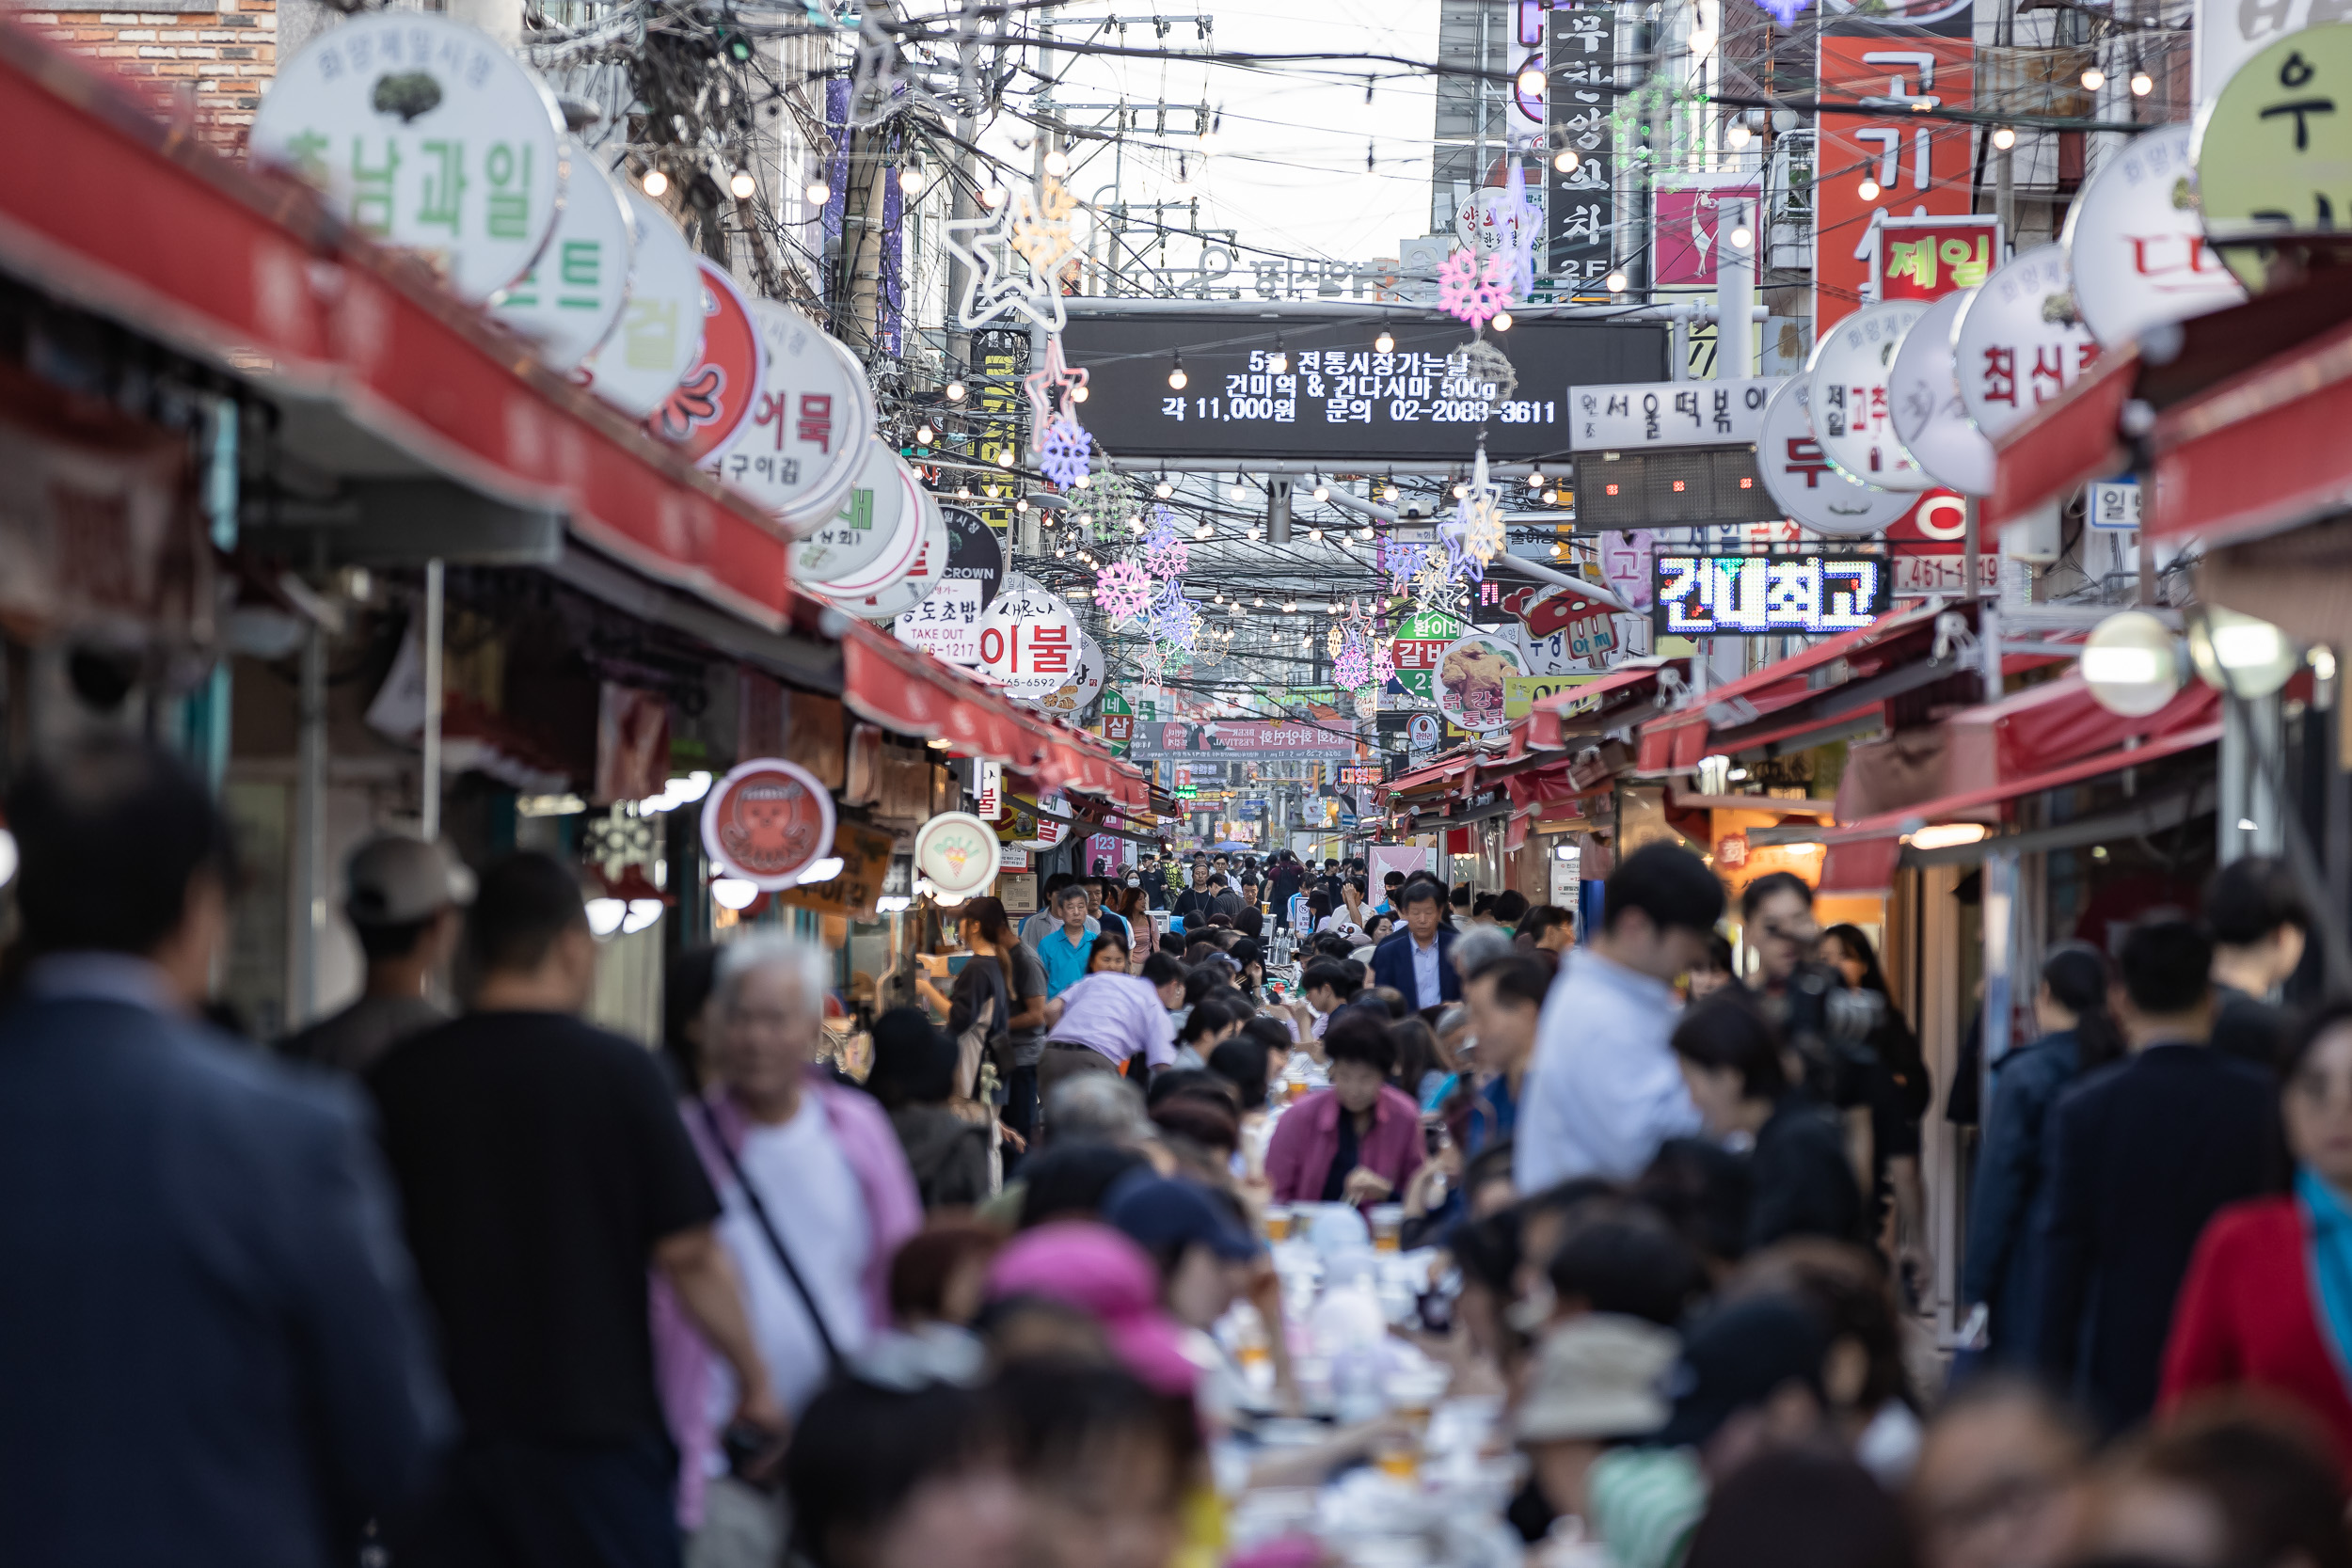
column 865, row 865
column 2274, row 157
column 1520, row 693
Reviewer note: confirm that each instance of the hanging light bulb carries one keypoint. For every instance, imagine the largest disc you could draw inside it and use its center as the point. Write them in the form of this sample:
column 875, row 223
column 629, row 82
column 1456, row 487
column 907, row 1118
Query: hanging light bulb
column 1322, row 492
column 742, row 184
column 1278, row 362
column 1176, row 378
column 1868, row 189
column 655, row 182
column 2003, row 138
column 954, row 391
column 1736, row 136
column 1366, row 532
column 818, row 192
column 1741, row 237
column 1530, row 82
column 924, row 433
column 2142, row 83
column 910, row 179
column 1290, row 606
column 1163, row 489
column 1535, row 479
column 1057, row 162
column 1566, row 160
column 1079, row 393
column 1501, row 322
column 1240, row 491
column 1460, row 491
column 1386, row 342
column 1315, row 534
column 1616, row 282
column 2094, row 79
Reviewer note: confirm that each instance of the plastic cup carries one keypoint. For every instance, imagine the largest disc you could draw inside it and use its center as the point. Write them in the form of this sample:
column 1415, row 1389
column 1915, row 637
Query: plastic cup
column 1388, row 1227
column 1278, row 1222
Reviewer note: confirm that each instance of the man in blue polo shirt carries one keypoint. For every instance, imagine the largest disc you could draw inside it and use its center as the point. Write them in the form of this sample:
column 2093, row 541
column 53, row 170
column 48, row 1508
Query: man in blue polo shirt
column 1064, row 949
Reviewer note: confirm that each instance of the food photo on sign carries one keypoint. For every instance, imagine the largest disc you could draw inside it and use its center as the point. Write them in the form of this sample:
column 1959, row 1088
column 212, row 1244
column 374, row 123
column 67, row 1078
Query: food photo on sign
column 1469, row 681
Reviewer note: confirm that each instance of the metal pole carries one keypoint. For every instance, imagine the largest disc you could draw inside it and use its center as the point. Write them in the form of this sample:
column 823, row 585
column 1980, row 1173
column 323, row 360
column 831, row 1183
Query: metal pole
column 1968, row 548
column 429, row 805
column 309, row 899
column 1277, row 511
column 1735, row 295
column 964, row 208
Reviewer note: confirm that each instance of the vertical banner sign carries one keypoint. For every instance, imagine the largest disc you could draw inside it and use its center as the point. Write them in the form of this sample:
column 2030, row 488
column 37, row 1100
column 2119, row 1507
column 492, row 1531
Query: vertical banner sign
column 1118, row 723
column 1583, row 203
column 1000, row 357
column 1914, row 166
column 988, row 796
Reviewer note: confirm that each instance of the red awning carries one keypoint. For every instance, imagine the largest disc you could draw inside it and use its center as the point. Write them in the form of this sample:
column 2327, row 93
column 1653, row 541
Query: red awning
column 1435, row 773
column 1549, row 723
column 1677, row 740
column 2058, row 723
column 2070, row 440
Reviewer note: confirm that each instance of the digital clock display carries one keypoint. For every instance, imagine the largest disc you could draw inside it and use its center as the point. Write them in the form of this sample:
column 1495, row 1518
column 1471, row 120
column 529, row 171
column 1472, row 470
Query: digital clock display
column 1335, row 397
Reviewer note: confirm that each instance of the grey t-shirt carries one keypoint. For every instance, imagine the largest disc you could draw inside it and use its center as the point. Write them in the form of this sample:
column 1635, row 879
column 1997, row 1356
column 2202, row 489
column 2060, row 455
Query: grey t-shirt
column 354, row 1037
column 1028, row 980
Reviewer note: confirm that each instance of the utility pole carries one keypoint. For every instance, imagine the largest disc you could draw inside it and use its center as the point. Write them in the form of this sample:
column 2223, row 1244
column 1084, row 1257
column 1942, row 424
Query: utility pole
column 964, row 208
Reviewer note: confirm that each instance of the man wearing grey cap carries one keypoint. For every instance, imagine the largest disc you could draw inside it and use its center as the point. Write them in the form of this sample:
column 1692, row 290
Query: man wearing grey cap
column 402, row 899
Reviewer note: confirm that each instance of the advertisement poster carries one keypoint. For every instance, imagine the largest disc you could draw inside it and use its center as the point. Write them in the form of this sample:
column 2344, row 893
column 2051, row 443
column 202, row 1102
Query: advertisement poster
column 1892, row 162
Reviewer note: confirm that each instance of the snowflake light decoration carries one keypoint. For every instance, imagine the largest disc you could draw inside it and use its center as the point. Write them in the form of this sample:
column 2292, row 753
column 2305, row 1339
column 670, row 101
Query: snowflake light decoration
column 1352, row 667
column 1402, row 559
column 1041, row 233
column 1383, row 663
column 1175, row 619
column 1122, row 590
column 1438, row 589
column 1473, row 290
column 1066, row 452
column 1480, row 519
column 1165, row 555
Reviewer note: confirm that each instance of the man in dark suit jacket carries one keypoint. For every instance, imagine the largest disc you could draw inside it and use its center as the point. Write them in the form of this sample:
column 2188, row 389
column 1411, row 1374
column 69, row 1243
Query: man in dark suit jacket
column 1404, row 960
column 2141, row 1155
column 212, row 1348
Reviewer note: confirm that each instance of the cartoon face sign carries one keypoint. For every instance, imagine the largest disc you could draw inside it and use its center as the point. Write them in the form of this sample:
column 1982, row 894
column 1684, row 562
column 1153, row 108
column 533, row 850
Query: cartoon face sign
column 767, row 820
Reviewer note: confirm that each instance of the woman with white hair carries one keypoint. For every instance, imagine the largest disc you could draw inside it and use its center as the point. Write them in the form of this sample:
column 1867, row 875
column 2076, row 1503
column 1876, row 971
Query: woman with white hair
column 818, row 1199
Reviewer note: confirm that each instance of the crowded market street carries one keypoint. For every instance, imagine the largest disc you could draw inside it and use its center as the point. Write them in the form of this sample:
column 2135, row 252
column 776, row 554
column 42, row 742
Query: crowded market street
column 1442, row 783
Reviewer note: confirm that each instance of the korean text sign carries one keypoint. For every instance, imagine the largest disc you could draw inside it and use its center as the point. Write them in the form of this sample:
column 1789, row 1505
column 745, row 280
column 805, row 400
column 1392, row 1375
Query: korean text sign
column 1911, row 162
column 1757, row 595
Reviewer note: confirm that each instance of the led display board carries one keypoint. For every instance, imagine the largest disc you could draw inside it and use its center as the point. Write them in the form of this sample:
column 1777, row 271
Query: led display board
column 1759, row 596
column 1337, row 399
column 1671, row 489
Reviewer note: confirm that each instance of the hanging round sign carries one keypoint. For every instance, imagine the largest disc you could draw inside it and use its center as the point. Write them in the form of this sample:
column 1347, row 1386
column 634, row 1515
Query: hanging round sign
column 1802, row 483
column 921, row 577
column 1923, row 395
column 2135, row 241
column 799, row 454
column 1489, row 221
column 2018, row 343
column 958, row 853
column 852, row 553
column 2274, row 153
column 946, row 625
column 1072, row 697
column 711, row 401
column 1469, row 676
column 768, row 821
column 571, row 300
column 427, row 134
column 1050, row 828
column 907, row 533
column 660, row 333
column 1847, row 379
column 1028, row 641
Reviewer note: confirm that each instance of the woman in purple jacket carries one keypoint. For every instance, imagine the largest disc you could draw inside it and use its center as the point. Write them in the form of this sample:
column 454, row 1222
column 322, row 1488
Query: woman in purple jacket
column 1358, row 1141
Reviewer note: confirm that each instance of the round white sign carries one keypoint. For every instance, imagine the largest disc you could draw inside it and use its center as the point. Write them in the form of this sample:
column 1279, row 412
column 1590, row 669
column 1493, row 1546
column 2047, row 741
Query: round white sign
column 947, row 624
column 2135, row 241
column 958, row 853
column 1846, row 378
column 922, row 576
column 879, row 527
column 1923, row 394
column 797, row 454
column 1053, row 806
column 1070, row 698
column 1028, row 641
column 1470, row 678
column 660, row 335
column 1802, row 483
column 570, row 301
column 429, row 135
column 2019, row 343
column 1486, row 223
column 768, row 821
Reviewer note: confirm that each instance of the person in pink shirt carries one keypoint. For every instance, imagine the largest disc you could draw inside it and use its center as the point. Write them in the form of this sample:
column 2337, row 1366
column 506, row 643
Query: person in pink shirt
column 1358, row 1141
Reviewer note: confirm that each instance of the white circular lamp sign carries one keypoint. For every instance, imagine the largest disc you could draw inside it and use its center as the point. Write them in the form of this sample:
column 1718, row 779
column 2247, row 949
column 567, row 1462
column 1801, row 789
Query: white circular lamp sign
column 660, row 335
column 767, row 823
column 1806, row 486
column 570, row 301
column 958, row 853
column 1028, row 641
column 1853, row 417
column 1923, row 394
column 428, row 134
column 2019, row 341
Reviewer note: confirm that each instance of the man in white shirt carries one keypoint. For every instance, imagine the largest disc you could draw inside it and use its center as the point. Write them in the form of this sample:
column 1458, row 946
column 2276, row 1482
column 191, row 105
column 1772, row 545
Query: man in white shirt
column 1604, row 1090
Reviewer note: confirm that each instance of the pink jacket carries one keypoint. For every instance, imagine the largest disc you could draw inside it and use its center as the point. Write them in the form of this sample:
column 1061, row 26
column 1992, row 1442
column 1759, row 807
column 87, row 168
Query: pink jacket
column 682, row 1362
column 1299, row 1157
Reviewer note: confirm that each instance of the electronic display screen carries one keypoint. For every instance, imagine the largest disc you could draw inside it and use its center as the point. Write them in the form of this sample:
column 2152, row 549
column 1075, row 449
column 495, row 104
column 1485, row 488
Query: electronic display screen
column 1761, row 596
column 1671, row 489
column 1338, row 400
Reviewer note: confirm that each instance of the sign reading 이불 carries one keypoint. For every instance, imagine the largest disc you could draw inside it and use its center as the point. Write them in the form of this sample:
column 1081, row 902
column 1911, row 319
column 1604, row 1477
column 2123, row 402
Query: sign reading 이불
column 768, row 821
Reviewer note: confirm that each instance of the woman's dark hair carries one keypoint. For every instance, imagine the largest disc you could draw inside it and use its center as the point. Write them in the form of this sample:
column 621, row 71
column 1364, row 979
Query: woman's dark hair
column 860, row 1450
column 1063, row 1417
column 1541, row 918
column 926, row 1261
column 1416, row 1053
column 1626, row 1259
column 1245, row 952
column 1251, row 922
column 1212, row 1123
column 1326, row 971
column 1509, row 906
column 1358, row 1037
column 1209, row 1016
column 2307, row 1032
column 1108, row 939
column 1727, row 1032
column 1371, row 926
column 1161, row 967
column 1851, row 1295
column 1857, row 945
column 2079, row 975
column 1171, row 1082
column 1205, row 977
column 988, row 917
column 2268, row 1471
column 685, row 990
column 1796, row 1508
column 1244, row 1060
column 1318, row 904
column 1719, row 954
column 1702, row 1190
column 1067, row 1182
column 914, row 1061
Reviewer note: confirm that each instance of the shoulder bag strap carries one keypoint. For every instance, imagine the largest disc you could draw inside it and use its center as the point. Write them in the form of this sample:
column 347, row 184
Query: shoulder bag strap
column 834, row 1358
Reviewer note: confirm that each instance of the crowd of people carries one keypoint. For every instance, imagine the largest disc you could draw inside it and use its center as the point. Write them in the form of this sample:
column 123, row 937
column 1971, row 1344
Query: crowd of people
column 498, row 1285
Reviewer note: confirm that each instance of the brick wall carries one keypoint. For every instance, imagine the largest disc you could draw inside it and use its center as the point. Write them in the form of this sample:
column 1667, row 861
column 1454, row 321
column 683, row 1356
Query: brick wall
column 203, row 61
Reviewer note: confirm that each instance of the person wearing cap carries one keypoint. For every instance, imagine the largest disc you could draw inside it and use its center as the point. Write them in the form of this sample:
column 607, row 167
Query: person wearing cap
column 404, row 901
column 1200, row 1248
column 1600, row 1383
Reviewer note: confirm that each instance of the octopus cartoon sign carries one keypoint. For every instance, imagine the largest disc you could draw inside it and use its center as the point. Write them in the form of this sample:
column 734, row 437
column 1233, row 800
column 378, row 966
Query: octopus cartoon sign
column 767, row 823
column 1471, row 675
column 958, row 853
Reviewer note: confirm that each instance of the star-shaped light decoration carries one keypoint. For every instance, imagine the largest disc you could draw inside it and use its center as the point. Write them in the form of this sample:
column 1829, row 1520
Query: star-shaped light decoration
column 1049, row 387
column 996, row 283
column 1480, row 514
column 1437, row 587
column 882, row 85
column 1043, row 234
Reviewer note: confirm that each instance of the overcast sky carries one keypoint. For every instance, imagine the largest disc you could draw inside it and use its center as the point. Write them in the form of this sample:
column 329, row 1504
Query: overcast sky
column 1288, row 171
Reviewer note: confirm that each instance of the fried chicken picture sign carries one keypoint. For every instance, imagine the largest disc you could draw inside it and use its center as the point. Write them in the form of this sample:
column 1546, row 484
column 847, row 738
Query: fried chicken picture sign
column 768, row 821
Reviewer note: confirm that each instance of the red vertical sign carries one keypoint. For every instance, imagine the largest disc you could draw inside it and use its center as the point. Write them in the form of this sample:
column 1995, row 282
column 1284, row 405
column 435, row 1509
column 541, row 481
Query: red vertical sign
column 1914, row 165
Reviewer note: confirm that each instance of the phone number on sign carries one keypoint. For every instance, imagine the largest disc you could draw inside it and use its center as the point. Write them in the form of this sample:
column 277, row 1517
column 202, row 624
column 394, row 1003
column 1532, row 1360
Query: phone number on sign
column 1435, row 398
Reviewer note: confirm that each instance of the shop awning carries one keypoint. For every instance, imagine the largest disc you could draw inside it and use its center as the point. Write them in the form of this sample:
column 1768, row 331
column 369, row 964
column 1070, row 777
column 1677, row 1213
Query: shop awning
column 908, row 690
column 1453, row 770
column 1798, row 697
column 1591, row 708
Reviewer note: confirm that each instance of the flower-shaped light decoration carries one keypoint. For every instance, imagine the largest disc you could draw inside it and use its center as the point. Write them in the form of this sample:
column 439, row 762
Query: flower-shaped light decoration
column 1474, row 289
column 1383, row 663
column 1175, row 619
column 1165, row 554
column 1353, row 667
column 1480, row 518
column 1066, row 452
column 1122, row 590
column 1403, row 560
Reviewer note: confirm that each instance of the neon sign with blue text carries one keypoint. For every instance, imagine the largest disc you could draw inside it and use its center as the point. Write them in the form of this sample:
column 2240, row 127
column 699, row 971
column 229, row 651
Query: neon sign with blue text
column 1755, row 595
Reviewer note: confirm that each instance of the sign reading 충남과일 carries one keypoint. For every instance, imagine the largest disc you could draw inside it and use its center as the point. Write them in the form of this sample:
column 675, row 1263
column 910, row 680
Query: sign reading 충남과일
column 1759, row 596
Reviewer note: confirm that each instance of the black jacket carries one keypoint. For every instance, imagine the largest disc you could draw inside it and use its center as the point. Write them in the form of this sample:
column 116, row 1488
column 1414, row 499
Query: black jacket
column 2140, row 1153
column 1803, row 1183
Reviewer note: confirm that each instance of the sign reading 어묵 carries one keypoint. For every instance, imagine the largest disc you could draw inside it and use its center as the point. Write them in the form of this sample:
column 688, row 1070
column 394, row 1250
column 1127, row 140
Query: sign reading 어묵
column 1757, row 595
